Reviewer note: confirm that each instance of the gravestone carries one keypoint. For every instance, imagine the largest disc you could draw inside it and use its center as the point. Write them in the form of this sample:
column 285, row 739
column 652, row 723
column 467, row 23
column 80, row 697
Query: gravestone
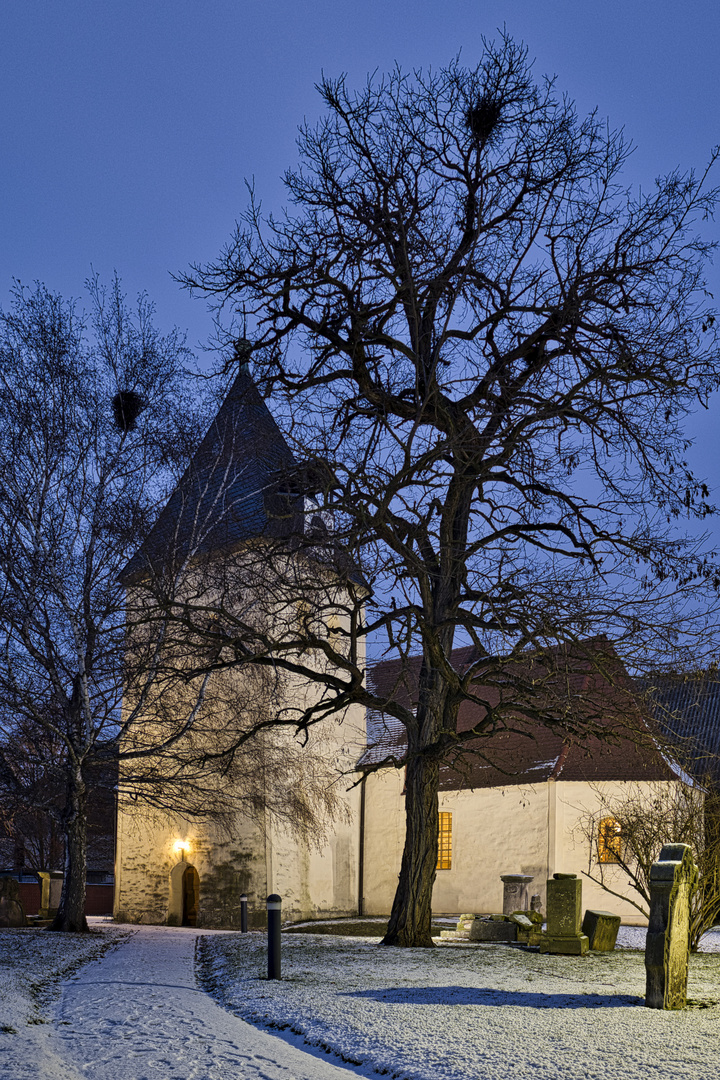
column 672, row 881
column 51, row 889
column 601, row 928
column 11, row 909
column 564, row 902
column 494, row 928
column 515, row 892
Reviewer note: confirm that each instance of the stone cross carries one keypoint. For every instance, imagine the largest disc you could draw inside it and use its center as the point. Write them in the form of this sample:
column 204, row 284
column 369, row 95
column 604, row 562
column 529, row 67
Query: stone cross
column 564, row 904
column 515, row 892
column 673, row 879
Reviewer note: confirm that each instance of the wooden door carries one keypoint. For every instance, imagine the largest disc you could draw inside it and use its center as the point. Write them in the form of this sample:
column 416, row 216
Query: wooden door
column 190, row 891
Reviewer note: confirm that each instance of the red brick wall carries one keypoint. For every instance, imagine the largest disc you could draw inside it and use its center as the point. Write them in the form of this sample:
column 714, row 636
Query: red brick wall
column 98, row 898
column 30, row 896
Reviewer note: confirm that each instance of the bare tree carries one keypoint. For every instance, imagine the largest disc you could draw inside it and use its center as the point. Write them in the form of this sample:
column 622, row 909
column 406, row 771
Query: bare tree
column 30, row 790
column 642, row 821
column 483, row 347
column 100, row 424
column 97, row 424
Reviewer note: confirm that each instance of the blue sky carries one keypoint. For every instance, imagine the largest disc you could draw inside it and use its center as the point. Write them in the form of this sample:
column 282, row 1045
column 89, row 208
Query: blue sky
column 127, row 127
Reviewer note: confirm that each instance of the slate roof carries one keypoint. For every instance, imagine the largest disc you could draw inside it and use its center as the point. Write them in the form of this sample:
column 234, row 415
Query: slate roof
column 686, row 708
column 524, row 750
column 226, row 494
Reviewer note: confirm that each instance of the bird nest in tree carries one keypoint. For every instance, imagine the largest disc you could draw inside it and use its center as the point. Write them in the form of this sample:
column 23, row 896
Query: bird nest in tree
column 127, row 406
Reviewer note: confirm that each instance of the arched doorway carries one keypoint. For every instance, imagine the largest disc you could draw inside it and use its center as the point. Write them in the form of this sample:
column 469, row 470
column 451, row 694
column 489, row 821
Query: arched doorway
column 184, row 895
column 190, row 896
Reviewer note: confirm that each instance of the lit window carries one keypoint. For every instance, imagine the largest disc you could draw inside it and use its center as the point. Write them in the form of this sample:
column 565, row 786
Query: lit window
column 445, row 842
column 609, row 840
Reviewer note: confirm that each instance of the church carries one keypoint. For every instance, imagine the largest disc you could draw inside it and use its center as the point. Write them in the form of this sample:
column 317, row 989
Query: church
column 192, row 870
column 517, row 809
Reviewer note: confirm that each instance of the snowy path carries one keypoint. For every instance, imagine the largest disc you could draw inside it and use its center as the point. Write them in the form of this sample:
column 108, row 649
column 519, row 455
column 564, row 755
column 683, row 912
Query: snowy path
column 137, row 1014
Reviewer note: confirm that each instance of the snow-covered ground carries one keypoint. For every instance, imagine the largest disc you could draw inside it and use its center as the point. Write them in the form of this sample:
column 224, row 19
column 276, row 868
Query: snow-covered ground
column 135, row 1013
column 462, row 1012
column 33, row 962
column 139, row 1003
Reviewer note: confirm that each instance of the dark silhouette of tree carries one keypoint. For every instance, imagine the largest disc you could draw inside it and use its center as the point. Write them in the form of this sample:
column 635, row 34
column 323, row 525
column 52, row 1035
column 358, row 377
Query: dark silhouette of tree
column 100, row 424
column 484, row 346
column 78, row 491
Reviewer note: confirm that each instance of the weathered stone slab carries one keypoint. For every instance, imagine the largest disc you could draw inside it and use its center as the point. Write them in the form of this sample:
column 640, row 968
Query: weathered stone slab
column 529, row 924
column 520, row 919
column 464, row 921
column 12, row 912
column 601, row 928
column 564, row 902
column 673, row 879
column 493, row 930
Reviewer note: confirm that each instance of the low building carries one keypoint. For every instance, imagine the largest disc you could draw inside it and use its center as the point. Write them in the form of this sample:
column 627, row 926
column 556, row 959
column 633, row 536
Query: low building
column 517, row 802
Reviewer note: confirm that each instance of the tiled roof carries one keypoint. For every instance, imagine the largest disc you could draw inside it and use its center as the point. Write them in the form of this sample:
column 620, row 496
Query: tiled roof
column 225, row 493
column 522, row 750
column 687, row 710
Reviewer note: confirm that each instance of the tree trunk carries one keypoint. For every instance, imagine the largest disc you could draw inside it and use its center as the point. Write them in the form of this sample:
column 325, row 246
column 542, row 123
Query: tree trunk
column 411, row 916
column 71, row 912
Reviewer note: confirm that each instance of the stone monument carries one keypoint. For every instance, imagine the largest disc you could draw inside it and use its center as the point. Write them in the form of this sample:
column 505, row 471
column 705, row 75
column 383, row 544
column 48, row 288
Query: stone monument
column 463, row 923
column 673, row 879
column 601, row 928
column 51, row 883
column 564, row 903
column 515, row 892
column 11, row 909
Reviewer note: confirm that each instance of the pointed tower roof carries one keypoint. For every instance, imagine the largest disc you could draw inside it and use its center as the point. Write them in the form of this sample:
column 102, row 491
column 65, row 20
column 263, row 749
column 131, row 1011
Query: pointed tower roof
column 226, row 492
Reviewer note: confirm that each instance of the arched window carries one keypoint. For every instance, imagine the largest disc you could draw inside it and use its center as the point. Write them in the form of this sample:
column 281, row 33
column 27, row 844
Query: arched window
column 609, row 840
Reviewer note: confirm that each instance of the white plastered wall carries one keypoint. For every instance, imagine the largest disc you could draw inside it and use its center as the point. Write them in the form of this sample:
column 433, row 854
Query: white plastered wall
column 577, row 800
column 250, row 856
column 313, row 880
column 512, row 830
column 229, row 862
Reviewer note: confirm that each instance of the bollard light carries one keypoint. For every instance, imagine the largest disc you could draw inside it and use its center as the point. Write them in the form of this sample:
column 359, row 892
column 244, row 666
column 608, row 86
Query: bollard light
column 243, row 914
column 274, row 905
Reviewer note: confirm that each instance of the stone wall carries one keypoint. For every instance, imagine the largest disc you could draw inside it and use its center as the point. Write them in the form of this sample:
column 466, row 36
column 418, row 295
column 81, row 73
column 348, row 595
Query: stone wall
column 252, row 856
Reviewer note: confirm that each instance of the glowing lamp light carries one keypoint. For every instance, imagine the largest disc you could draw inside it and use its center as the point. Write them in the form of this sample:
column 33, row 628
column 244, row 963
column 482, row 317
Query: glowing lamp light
column 181, row 847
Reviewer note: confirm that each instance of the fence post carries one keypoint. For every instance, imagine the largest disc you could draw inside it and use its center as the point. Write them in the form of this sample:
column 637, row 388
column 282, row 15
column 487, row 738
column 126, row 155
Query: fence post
column 274, row 905
column 243, row 914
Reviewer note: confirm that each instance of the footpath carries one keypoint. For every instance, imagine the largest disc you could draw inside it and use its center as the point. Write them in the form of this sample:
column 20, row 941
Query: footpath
column 137, row 1014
